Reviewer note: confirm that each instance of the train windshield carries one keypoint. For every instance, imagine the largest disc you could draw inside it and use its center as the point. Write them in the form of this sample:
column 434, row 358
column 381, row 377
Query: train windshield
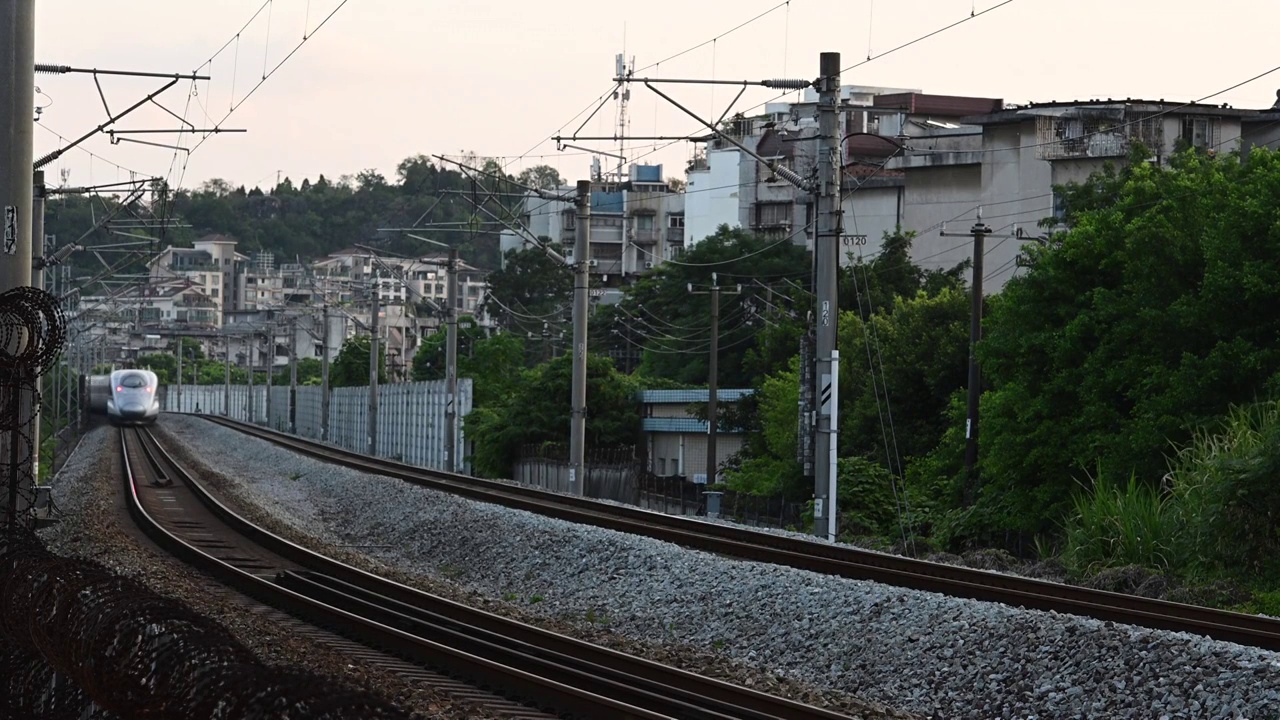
column 133, row 381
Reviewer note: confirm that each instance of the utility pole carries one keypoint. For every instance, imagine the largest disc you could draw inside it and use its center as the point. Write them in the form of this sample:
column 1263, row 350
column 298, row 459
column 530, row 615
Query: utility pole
column 372, row 447
column 581, row 290
column 324, row 378
column 252, row 407
column 293, row 375
column 826, row 258
column 713, row 378
column 270, row 337
column 451, row 365
column 178, row 349
column 226, row 380
column 980, row 231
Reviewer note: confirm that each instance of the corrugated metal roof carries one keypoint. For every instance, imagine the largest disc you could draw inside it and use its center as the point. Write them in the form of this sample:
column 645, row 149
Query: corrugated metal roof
column 673, row 425
column 666, row 397
column 941, row 105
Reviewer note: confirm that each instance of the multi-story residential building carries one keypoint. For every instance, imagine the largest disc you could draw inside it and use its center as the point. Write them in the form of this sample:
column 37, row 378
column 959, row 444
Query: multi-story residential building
column 347, row 273
column 211, row 266
column 729, row 187
column 1008, row 161
column 636, row 223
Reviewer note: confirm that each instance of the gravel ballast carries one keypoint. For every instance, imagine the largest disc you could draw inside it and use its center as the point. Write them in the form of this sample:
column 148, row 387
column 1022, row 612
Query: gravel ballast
column 918, row 651
column 94, row 525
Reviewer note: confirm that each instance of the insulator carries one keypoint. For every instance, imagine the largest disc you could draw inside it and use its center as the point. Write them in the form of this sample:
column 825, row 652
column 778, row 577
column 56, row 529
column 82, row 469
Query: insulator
column 789, row 175
column 785, row 84
column 50, row 69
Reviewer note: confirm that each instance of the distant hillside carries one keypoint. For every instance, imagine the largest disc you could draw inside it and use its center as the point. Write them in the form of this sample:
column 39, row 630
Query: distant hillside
column 312, row 219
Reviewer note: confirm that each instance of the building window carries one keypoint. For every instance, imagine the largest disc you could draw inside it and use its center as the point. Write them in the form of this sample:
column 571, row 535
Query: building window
column 644, row 222
column 320, row 352
column 675, row 221
column 214, row 293
column 1200, row 132
column 773, row 215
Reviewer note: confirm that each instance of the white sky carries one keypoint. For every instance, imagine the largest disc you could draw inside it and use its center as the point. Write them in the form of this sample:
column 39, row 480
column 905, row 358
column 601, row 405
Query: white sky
column 386, row 79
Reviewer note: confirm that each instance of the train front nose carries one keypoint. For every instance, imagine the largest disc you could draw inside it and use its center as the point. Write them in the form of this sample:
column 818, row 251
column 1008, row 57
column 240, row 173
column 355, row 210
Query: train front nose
column 132, row 410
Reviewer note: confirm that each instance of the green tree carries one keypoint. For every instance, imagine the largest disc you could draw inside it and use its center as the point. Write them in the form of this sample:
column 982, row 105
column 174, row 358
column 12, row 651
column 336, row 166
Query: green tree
column 538, row 411
column 493, row 363
column 674, row 325
column 351, row 367
column 542, row 177
column 898, row 372
column 530, row 288
column 1155, row 312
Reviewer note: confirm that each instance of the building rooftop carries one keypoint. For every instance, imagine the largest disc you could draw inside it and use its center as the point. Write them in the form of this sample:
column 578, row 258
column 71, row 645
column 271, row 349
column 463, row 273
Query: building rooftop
column 1053, row 108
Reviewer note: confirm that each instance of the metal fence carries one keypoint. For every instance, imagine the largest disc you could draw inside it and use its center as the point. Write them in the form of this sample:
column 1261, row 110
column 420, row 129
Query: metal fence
column 411, row 416
column 611, row 473
column 678, row 496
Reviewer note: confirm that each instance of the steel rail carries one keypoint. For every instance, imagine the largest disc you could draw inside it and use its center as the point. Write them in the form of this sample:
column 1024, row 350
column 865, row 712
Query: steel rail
column 619, row 685
column 832, row 559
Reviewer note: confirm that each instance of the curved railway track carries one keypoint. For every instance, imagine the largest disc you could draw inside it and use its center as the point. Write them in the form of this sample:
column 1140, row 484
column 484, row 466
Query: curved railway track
column 551, row 672
column 831, row 559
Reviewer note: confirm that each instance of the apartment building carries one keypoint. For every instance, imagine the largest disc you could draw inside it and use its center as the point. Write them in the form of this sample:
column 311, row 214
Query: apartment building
column 637, row 221
column 1008, row 161
column 729, row 187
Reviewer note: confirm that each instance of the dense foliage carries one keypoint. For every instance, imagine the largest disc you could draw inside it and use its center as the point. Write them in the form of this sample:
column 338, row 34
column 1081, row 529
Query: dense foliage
column 351, row 367
column 536, row 412
column 1155, row 312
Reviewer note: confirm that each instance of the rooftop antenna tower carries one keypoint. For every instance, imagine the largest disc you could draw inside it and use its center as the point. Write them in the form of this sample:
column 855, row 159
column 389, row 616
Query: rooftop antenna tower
column 623, row 96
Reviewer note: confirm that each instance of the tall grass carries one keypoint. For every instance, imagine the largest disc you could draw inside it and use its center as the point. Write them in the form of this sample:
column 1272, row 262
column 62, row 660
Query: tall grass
column 1226, row 487
column 1114, row 525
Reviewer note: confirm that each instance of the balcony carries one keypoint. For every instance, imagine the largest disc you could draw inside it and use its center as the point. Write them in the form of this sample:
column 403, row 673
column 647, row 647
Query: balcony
column 189, row 267
column 1096, row 133
column 611, row 266
column 191, row 302
column 675, row 236
column 646, row 237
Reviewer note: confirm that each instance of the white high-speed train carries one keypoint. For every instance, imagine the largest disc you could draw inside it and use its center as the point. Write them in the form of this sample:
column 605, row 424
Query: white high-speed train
column 133, row 397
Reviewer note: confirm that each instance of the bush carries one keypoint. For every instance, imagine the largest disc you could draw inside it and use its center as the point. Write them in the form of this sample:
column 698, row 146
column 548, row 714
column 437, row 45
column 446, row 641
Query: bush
column 1227, row 497
column 1114, row 525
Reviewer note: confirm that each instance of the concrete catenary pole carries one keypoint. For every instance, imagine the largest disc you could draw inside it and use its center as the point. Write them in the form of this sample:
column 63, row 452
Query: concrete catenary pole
column 451, row 366
column 826, row 266
column 17, row 98
column 37, row 281
column 713, row 383
column 324, row 377
column 371, row 448
column 581, row 290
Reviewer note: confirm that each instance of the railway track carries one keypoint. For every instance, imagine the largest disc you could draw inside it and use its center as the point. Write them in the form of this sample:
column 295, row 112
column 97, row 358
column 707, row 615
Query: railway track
column 831, row 559
column 548, row 672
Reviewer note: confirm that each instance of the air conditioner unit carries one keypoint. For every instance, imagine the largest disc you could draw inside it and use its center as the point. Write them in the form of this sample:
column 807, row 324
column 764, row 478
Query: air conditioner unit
column 648, row 265
column 593, row 262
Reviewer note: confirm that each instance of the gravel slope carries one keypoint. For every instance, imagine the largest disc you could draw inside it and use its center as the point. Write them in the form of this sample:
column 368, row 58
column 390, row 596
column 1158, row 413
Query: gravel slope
column 918, row 651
